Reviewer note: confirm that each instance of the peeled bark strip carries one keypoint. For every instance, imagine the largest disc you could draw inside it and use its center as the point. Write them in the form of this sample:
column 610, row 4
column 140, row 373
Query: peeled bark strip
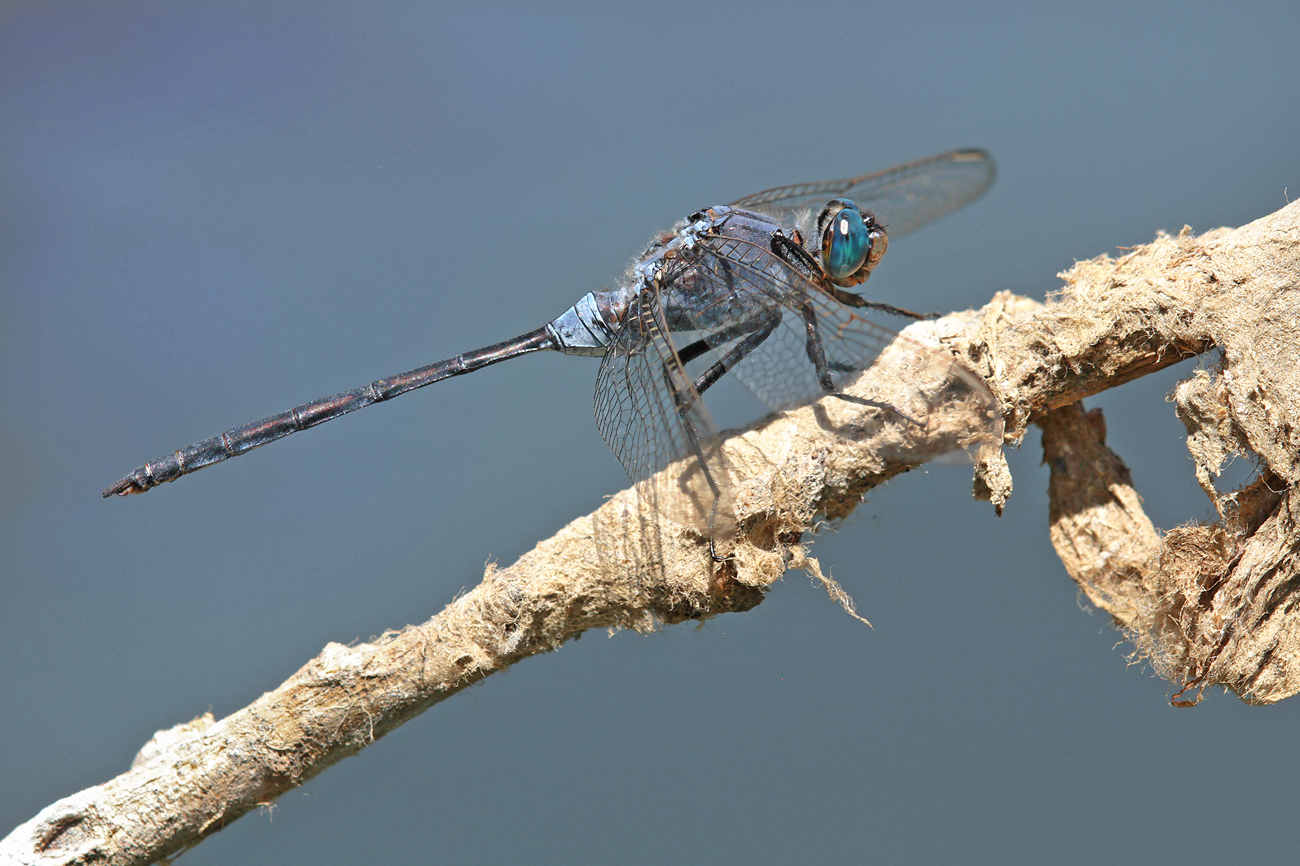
column 1207, row 604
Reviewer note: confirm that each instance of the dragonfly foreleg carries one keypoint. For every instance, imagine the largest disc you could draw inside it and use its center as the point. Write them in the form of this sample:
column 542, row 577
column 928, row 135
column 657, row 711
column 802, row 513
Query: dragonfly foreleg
column 899, row 311
column 851, row 299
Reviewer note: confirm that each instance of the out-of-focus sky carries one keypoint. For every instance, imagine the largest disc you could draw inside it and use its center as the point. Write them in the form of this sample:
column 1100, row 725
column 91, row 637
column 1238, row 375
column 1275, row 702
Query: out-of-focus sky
column 211, row 211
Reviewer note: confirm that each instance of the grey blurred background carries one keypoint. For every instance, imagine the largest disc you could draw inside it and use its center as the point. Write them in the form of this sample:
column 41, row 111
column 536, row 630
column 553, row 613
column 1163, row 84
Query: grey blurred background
column 211, row 211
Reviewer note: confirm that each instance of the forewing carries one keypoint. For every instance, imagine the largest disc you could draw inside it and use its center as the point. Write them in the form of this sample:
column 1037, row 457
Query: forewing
column 903, row 198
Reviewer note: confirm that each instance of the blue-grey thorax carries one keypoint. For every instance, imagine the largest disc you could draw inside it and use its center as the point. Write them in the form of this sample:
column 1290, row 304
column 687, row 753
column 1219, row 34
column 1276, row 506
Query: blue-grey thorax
column 694, row 298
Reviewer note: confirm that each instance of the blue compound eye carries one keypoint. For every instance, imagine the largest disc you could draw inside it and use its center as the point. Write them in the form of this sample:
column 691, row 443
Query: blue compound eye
column 852, row 242
column 846, row 241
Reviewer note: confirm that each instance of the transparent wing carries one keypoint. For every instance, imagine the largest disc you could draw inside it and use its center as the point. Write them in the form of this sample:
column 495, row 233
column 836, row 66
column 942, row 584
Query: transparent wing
column 652, row 418
column 726, row 304
column 766, row 322
column 903, row 198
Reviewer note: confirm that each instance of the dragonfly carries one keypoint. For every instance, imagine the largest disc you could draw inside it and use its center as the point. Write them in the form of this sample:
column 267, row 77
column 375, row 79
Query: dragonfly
column 758, row 289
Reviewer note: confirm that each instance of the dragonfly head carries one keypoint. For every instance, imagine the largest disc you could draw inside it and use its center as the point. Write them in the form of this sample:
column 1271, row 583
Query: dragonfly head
column 852, row 242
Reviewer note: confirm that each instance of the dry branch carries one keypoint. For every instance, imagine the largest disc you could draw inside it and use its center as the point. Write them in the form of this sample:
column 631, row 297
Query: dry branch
column 1208, row 604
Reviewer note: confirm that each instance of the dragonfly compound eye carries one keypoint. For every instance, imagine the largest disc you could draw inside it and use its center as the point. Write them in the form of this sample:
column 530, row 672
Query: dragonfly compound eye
column 852, row 242
column 848, row 242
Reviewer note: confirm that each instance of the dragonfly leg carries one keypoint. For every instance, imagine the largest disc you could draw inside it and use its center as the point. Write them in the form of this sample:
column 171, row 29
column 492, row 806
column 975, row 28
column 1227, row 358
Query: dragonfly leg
column 850, row 299
column 901, row 311
column 817, row 354
column 793, row 254
column 685, row 403
column 752, row 334
column 755, row 331
column 690, row 352
column 761, row 330
column 713, row 550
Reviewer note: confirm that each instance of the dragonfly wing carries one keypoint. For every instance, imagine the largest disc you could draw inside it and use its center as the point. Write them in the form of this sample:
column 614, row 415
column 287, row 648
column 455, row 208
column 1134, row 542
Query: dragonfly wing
column 903, row 198
column 652, row 418
column 733, row 282
column 925, row 384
